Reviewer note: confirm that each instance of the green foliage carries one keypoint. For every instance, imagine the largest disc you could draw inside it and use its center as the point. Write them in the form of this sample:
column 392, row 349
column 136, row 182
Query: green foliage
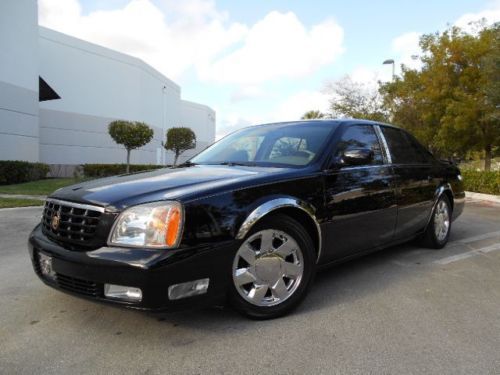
column 105, row 170
column 179, row 140
column 451, row 103
column 39, row 187
column 355, row 100
column 131, row 135
column 313, row 114
column 482, row 181
column 15, row 202
column 15, row 171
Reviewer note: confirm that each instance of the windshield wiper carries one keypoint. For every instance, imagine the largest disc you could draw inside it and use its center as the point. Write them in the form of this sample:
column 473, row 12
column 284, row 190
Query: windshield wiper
column 233, row 163
column 185, row 164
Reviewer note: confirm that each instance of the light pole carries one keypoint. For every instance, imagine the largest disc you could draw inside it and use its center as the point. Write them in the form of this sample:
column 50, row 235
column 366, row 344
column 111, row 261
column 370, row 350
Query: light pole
column 391, row 61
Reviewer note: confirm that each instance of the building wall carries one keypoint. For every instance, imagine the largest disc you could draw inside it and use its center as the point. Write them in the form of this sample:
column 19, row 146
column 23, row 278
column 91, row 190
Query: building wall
column 98, row 85
column 201, row 119
column 18, row 80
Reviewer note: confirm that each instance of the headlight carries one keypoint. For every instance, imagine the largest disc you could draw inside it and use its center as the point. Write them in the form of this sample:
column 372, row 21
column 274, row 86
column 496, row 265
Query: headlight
column 153, row 225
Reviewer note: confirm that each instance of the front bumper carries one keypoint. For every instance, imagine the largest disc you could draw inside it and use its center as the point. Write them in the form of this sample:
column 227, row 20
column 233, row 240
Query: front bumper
column 84, row 273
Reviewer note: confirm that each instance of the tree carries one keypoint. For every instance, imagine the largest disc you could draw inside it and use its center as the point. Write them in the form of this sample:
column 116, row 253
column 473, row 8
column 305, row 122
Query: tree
column 179, row 140
column 130, row 134
column 313, row 114
column 451, row 103
column 355, row 100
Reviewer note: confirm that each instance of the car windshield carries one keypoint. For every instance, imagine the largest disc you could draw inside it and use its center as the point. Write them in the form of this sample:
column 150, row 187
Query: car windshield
column 285, row 145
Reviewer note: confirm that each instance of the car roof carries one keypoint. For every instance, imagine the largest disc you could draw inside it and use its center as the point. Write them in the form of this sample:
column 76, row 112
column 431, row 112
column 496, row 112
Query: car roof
column 336, row 122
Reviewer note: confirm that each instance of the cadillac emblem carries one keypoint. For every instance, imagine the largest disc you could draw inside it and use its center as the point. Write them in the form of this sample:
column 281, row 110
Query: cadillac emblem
column 56, row 219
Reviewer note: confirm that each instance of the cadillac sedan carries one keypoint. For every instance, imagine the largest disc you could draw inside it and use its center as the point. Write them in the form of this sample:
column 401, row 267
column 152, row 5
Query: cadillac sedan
column 249, row 220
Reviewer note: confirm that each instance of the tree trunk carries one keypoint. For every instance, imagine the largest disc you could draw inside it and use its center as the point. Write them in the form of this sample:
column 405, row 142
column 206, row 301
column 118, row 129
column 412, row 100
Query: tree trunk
column 175, row 158
column 128, row 160
column 487, row 157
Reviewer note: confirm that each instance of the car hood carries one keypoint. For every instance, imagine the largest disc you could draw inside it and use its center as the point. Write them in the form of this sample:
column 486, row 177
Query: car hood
column 186, row 183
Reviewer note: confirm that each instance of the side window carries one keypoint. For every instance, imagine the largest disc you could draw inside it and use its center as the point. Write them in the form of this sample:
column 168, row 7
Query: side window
column 402, row 150
column 424, row 156
column 361, row 136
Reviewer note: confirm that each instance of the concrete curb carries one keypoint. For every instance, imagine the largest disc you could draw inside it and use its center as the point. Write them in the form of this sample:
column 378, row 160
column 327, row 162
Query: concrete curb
column 22, row 196
column 20, row 208
column 483, row 197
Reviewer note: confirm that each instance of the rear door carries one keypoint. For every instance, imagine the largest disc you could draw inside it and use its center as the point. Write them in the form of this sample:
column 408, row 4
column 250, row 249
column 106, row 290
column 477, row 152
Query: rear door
column 360, row 200
column 415, row 179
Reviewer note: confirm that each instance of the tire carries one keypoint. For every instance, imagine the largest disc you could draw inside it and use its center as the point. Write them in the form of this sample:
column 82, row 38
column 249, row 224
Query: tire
column 269, row 278
column 435, row 236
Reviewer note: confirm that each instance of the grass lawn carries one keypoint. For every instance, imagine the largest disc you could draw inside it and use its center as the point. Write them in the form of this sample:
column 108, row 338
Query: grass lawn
column 40, row 187
column 14, row 202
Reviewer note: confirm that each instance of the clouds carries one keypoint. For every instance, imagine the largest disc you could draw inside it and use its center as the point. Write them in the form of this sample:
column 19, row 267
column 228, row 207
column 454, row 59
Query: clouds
column 186, row 34
column 491, row 14
column 278, row 46
column 194, row 34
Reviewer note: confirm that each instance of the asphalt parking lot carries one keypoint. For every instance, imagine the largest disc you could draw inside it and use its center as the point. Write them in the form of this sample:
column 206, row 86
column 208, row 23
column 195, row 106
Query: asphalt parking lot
column 401, row 311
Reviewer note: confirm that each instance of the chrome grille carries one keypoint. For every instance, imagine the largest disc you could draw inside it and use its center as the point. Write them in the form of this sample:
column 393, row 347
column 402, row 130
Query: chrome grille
column 76, row 223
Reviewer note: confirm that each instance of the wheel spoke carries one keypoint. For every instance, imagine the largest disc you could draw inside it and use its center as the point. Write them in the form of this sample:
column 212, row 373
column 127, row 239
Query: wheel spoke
column 248, row 254
column 291, row 270
column 266, row 240
column 244, row 276
column 279, row 289
column 285, row 249
column 257, row 293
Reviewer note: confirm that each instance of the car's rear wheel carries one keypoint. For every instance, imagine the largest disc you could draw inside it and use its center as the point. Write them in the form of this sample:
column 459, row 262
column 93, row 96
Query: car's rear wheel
column 273, row 268
column 438, row 231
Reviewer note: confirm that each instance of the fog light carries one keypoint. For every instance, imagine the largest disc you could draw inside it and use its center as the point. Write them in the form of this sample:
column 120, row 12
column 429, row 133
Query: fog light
column 188, row 289
column 124, row 293
column 46, row 266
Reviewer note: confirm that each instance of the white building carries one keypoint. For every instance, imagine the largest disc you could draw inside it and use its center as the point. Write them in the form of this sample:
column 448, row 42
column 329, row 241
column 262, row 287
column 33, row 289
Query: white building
column 82, row 87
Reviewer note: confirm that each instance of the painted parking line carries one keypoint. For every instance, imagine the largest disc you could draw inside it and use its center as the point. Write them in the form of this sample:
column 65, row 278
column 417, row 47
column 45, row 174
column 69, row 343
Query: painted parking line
column 469, row 254
column 479, row 237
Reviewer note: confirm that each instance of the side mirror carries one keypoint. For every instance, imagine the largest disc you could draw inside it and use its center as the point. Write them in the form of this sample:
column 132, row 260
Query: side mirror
column 357, row 156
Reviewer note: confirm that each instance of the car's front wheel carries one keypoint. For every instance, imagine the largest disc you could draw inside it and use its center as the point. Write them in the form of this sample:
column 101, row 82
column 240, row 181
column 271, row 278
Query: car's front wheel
column 273, row 268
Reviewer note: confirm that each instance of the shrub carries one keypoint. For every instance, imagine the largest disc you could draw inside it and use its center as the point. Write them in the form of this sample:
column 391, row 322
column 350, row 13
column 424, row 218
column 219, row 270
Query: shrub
column 105, row 170
column 482, row 182
column 16, row 171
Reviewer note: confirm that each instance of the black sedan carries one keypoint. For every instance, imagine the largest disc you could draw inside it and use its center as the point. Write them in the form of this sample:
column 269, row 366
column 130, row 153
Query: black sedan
column 249, row 220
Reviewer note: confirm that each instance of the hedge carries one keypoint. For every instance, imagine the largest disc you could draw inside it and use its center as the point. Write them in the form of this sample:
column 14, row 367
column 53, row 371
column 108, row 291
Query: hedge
column 15, row 171
column 482, row 182
column 105, row 170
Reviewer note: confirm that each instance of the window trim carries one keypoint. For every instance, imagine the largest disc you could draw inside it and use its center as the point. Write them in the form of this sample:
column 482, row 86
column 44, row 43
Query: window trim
column 385, row 146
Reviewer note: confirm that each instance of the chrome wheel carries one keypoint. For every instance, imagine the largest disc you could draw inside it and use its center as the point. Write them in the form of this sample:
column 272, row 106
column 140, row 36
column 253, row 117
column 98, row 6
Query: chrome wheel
column 268, row 268
column 441, row 221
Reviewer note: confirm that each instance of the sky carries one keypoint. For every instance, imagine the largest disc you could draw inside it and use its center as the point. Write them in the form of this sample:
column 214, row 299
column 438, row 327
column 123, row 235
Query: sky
column 263, row 61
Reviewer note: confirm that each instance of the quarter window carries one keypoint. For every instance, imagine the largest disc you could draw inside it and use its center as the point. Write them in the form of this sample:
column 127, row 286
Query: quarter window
column 361, row 136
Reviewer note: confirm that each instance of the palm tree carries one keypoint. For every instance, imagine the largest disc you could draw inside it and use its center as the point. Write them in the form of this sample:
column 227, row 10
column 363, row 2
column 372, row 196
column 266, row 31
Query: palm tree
column 310, row 115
